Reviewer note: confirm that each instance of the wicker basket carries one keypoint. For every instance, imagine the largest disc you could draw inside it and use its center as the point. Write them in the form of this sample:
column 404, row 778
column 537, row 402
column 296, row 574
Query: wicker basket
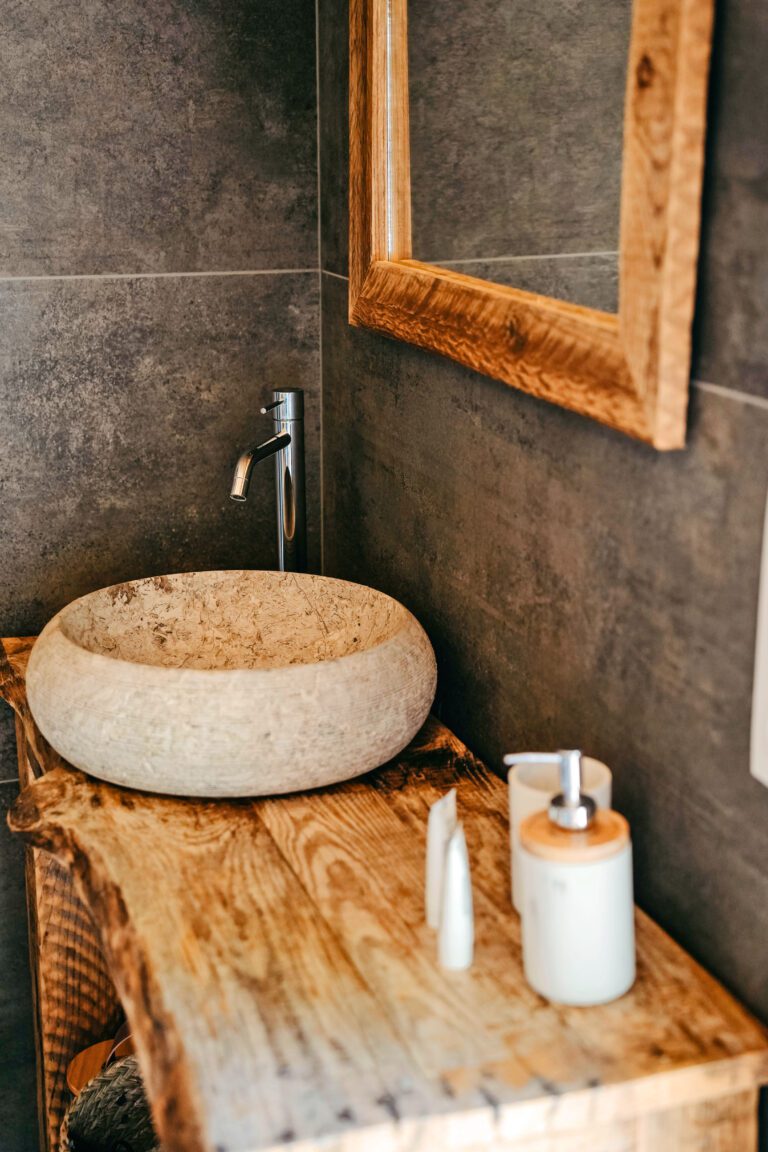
column 111, row 1114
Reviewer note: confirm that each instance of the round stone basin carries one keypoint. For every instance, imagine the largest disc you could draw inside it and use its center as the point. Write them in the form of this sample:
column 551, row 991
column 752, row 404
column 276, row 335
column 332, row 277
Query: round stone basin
column 231, row 683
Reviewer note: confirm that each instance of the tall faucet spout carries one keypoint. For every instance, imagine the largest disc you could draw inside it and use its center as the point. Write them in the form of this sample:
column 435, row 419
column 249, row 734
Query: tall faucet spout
column 251, row 456
column 287, row 447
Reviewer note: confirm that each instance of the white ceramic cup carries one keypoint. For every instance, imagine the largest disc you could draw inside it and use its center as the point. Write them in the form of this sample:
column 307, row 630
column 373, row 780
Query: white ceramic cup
column 531, row 787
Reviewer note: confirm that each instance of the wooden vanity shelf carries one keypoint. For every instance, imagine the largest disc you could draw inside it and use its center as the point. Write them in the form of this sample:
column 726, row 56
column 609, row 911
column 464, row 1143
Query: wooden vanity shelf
column 272, row 959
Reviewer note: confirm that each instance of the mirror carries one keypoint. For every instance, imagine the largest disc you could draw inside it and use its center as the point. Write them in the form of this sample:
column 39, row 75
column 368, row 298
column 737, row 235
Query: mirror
column 525, row 188
column 515, row 140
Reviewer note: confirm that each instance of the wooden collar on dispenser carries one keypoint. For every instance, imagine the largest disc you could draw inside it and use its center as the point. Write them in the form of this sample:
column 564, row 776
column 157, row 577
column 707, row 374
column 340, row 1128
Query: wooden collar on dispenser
column 606, row 835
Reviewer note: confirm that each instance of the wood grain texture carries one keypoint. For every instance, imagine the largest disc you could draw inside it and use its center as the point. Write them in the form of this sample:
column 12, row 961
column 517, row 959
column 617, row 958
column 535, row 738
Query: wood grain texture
column 664, row 128
column 282, row 986
column 607, row 834
column 74, row 998
column 379, row 144
column 14, row 658
column 364, row 246
column 631, row 371
column 728, row 1124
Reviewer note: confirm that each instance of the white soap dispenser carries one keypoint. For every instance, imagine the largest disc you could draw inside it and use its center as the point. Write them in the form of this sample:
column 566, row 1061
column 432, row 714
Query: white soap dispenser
column 578, row 911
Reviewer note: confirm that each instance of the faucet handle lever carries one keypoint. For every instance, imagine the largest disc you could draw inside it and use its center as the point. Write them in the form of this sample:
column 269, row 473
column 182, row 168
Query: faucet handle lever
column 269, row 407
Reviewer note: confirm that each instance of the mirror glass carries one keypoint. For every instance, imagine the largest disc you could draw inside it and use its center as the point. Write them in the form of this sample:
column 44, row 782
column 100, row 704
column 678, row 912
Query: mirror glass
column 516, row 112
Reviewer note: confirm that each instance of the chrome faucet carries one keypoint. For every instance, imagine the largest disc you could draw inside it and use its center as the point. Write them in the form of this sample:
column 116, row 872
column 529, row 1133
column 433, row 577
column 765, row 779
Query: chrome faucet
column 287, row 446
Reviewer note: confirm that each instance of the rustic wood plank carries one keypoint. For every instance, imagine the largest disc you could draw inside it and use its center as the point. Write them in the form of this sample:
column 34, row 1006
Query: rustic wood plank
column 664, row 127
column 363, row 241
column 464, row 1022
column 285, row 1037
column 273, row 962
column 14, row 657
column 630, row 371
column 74, row 998
column 727, row 1124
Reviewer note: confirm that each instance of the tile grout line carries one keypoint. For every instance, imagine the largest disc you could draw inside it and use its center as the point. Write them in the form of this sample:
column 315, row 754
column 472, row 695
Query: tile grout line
column 732, row 394
column 158, row 275
column 320, row 286
column 497, row 260
column 516, row 259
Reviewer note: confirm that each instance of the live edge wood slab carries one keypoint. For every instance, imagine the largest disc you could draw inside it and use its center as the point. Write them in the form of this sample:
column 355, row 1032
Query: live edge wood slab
column 274, row 964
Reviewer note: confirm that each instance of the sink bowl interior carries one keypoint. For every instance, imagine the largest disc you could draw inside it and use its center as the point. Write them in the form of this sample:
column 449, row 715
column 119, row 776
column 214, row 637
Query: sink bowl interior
column 231, row 620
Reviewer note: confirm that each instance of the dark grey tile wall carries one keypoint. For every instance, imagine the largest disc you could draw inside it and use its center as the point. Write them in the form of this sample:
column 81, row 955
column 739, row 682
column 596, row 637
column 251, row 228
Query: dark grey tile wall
column 125, row 403
column 333, row 117
column 731, row 331
column 516, row 117
column 591, row 280
column 158, row 192
column 176, row 136
column 455, row 195
column 581, row 588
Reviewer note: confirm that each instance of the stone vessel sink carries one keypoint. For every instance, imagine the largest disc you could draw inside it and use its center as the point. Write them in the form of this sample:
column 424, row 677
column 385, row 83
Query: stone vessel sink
column 231, row 683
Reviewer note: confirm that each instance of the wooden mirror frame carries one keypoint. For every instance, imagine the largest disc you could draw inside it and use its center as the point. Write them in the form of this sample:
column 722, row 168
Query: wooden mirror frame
column 631, row 370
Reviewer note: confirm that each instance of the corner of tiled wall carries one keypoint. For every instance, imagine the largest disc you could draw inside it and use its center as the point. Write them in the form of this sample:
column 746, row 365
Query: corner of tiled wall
column 158, row 276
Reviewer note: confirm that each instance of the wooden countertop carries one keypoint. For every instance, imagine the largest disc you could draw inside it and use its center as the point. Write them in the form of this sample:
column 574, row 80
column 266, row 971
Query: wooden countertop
column 274, row 963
